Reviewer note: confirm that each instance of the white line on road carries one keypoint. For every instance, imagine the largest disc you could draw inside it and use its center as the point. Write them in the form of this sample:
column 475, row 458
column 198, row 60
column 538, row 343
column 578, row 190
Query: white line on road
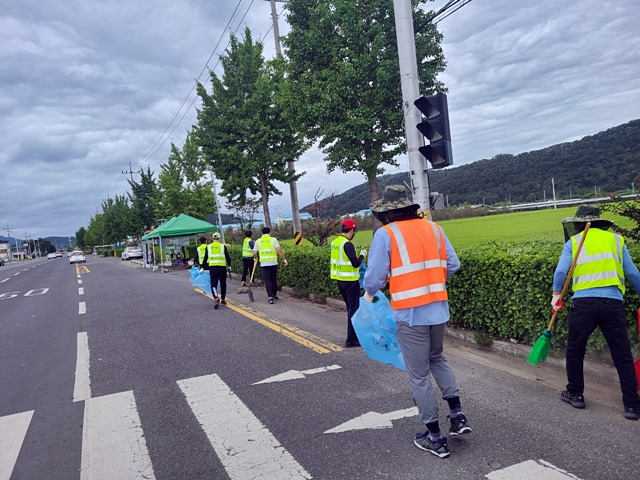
column 82, row 385
column 82, row 308
column 13, row 428
column 296, row 374
column 374, row 420
column 113, row 444
column 80, row 291
column 17, row 273
column 246, row 448
column 4, row 280
column 531, row 470
column 79, row 282
column 79, row 276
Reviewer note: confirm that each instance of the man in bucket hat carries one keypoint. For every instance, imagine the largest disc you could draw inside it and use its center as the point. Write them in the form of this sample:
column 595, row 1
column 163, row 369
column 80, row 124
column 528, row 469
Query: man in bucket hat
column 417, row 257
column 599, row 278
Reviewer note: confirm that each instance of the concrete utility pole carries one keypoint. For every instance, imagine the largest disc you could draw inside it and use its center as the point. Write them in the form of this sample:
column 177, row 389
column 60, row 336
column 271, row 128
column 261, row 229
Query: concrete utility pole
column 130, row 172
column 293, row 188
column 410, row 84
column 10, row 250
column 215, row 196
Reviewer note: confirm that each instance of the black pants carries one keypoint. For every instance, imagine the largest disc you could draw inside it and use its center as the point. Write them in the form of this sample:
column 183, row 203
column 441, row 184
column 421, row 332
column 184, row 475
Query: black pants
column 585, row 316
column 247, row 265
column 350, row 292
column 218, row 274
column 270, row 278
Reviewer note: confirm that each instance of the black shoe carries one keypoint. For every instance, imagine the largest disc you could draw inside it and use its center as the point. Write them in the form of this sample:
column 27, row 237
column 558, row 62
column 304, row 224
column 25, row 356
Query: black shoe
column 217, row 304
column 244, row 284
column 631, row 413
column 575, row 399
column 276, row 297
column 222, row 302
column 459, row 425
column 270, row 299
column 438, row 448
column 349, row 344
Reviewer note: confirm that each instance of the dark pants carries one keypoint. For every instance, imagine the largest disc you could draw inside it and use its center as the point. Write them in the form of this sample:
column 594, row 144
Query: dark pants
column 350, row 292
column 585, row 316
column 270, row 278
column 218, row 274
column 247, row 265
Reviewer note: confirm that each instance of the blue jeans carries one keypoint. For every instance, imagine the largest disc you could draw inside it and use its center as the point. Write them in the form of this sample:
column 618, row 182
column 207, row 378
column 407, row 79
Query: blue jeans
column 585, row 316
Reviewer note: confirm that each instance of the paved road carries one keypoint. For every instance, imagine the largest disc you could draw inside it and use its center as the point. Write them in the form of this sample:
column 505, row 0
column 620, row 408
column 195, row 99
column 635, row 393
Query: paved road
column 113, row 371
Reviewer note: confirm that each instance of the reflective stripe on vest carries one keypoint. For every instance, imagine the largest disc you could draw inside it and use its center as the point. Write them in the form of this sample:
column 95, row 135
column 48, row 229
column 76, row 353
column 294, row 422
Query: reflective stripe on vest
column 600, row 261
column 202, row 249
column 341, row 267
column 418, row 266
column 216, row 255
column 267, row 250
column 247, row 252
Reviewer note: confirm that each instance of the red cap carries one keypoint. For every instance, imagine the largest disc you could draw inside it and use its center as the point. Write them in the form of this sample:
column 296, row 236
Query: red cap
column 349, row 224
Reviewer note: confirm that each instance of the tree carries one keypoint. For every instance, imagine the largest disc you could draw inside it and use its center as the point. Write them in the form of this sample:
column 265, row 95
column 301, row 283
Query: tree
column 344, row 80
column 242, row 129
column 318, row 229
column 629, row 209
column 117, row 224
column 80, row 238
column 245, row 211
column 141, row 197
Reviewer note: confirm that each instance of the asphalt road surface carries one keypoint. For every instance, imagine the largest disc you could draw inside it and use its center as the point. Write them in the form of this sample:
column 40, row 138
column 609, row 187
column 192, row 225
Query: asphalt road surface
column 112, row 371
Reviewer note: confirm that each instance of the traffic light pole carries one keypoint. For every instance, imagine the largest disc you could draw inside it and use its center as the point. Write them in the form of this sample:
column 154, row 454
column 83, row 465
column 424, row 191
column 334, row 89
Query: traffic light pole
column 410, row 84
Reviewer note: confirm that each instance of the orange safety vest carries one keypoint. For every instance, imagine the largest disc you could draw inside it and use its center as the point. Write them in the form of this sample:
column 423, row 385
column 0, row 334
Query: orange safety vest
column 418, row 267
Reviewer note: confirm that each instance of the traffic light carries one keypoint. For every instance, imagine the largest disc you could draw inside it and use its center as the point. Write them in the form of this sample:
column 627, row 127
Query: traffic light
column 435, row 128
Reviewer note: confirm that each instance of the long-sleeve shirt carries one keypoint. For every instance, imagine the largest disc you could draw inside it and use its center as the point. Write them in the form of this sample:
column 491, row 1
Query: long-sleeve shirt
column 376, row 277
column 350, row 252
column 630, row 273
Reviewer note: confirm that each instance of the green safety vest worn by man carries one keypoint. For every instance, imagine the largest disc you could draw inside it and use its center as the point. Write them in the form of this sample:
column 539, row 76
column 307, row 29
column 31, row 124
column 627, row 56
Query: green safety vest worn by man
column 247, row 252
column 600, row 260
column 266, row 249
column 216, row 255
column 341, row 267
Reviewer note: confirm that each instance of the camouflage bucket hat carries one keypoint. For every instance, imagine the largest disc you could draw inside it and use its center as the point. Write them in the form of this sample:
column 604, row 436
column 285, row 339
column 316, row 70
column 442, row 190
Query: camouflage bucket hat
column 584, row 214
column 394, row 198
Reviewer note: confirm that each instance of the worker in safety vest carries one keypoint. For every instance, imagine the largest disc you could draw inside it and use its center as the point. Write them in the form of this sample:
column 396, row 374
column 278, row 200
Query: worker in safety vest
column 417, row 257
column 598, row 285
column 219, row 259
column 345, row 269
column 202, row 255
column 269, row 248
column 247, row 256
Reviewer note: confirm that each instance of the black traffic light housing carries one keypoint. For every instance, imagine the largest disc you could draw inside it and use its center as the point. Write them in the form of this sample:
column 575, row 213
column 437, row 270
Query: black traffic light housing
column 435, row 128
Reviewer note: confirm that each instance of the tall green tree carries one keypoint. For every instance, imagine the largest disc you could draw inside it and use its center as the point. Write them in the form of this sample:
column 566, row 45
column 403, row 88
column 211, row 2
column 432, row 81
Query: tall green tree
column 142, row 193
column 242, row 128
column 80, row 237
column 344, row 79
column 118, row 224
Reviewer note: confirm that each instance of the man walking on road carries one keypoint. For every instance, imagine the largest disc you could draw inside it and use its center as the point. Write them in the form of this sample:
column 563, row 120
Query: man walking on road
column 345, row 269
column 247, row 256
column 417, row 257
column 269, row 249
column 598, row 285
column 219, row 259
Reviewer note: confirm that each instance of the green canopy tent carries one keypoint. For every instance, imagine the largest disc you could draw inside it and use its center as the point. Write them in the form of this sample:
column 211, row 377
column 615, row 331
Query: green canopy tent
column 180, row 226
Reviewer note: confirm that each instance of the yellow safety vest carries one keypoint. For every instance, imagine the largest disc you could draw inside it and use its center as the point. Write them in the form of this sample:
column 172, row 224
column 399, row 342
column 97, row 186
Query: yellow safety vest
column 600, row 261
column 266, row 249
column 216, row 255
column 341, row 267
column 202, row 249
column 246, row 248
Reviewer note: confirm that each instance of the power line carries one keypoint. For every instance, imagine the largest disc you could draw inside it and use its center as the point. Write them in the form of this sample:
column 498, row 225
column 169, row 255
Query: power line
column 434, row 18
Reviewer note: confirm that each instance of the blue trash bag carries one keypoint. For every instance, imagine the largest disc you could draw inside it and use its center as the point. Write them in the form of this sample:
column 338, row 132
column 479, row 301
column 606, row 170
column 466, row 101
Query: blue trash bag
column 376, row 330
column 203, row 281
column 363, row 270
column 193, row 274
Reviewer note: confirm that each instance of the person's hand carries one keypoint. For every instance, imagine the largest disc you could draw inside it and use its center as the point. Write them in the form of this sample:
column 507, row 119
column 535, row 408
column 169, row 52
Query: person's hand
column 363, row 252
column 556, row 302
column 201, row 270
column 369, row 298
column 285, row 262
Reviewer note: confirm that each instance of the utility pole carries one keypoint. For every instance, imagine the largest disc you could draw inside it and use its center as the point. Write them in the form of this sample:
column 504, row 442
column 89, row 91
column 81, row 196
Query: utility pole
column 130, row 172
column 410, row 84
column 8, row 230
column 293, row 188
column 215, row 196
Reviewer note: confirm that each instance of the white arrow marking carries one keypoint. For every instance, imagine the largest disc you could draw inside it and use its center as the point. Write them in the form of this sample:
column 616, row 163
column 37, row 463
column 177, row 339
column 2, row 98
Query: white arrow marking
column 531, row 470
column 13, row 428
column 296, row 374
column 374, row 420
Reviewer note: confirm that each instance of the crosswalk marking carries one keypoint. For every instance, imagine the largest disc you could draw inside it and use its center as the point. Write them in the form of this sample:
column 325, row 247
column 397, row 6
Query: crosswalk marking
column 244, row 445
column 13, row 428
column 531, row 470
column 113, row 444
column 82, row 384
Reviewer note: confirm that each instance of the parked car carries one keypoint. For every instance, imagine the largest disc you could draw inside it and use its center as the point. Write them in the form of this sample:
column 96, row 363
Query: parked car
column 131, row 252
column 76, row 257
column 58, row 254
column 52, row 255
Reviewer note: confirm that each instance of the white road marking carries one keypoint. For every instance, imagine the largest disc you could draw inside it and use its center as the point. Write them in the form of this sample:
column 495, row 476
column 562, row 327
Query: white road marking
column 13, row 428
column 79, row 276
column 374, row 420
column 17, row 273
column 2, row 281
column 82, row 385
column 80, row 291
column 296, row 374
column 244, row 445
column 113, row 444
column 531, row 470
column 79, row 282
column 82, row 308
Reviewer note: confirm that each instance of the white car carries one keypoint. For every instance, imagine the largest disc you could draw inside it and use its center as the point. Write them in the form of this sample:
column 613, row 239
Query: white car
column 51, row 255
column 131, row 252
column 77, row 257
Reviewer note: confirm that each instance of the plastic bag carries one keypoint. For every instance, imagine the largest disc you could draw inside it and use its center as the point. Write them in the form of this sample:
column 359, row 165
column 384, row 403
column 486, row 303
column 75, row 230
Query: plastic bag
column 363, row 270
column 203, row 281
column 193, row 274
column 376, row 331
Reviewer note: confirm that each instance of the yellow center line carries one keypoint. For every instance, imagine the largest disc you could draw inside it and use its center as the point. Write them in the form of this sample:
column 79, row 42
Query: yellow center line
column 81, row 269
column 296, row 334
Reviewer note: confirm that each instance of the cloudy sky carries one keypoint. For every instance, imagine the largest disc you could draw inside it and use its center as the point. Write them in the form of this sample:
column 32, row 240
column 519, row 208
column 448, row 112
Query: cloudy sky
column 89, row 87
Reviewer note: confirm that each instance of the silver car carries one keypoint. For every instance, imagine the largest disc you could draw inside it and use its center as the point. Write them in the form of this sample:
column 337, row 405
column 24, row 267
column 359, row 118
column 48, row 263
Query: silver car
column 131, row 252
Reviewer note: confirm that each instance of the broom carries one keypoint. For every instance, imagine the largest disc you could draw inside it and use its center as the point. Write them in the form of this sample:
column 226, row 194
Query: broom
column 250, row 292
column 540, row 349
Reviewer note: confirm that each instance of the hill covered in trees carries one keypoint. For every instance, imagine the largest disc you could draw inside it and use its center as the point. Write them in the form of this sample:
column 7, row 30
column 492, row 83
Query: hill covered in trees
column 607, row 161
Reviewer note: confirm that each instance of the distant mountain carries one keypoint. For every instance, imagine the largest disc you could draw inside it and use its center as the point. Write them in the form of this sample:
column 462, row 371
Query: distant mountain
column 607, row 162
column 59, row 242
